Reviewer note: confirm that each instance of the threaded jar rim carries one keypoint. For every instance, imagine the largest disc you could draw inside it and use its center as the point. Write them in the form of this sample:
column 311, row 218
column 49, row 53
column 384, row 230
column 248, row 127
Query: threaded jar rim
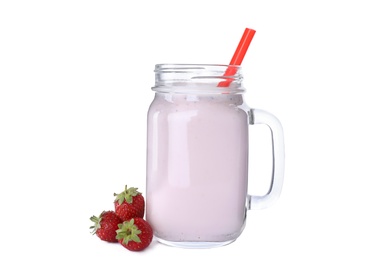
column 198, row 78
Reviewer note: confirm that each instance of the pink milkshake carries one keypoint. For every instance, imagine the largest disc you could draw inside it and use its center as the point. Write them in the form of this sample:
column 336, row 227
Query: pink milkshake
column 197, row 167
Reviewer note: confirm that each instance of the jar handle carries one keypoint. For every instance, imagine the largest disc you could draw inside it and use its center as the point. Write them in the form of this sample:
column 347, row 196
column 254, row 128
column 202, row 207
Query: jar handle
column 258, row 116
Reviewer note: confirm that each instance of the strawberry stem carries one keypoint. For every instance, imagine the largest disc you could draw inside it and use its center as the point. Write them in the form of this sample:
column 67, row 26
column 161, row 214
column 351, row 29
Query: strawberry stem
column 96, row 221
column 128, row 232
column 127, row 195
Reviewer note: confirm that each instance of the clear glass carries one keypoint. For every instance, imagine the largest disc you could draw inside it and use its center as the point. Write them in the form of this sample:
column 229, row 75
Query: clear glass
column 197, row 156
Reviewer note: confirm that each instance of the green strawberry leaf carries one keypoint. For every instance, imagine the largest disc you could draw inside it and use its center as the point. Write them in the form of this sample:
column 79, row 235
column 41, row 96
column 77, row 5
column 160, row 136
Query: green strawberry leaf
column 127, row 195
column 96, row 221
column 128, row 232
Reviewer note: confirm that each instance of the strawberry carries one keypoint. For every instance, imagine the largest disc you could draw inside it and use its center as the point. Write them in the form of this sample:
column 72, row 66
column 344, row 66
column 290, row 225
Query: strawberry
column 129, row 204
column 135, row 234
column 105, row 225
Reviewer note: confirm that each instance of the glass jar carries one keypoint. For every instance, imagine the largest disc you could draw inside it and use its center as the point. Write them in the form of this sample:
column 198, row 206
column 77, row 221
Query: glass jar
column 197, row 155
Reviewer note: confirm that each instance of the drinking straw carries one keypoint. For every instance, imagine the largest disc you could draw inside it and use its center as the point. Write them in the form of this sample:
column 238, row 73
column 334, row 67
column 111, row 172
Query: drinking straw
column 238, row 56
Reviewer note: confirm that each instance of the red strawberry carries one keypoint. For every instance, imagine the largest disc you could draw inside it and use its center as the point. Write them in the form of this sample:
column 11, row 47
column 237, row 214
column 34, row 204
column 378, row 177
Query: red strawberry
column 129, row 204
column 135, row 235
column 106, row 225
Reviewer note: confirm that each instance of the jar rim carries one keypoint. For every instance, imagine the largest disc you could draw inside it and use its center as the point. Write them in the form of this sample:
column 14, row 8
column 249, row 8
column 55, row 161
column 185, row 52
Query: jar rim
column 163, row 66
column 199, row 78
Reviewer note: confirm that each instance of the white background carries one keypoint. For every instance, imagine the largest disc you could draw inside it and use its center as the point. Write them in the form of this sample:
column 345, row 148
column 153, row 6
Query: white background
column 75, row 79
